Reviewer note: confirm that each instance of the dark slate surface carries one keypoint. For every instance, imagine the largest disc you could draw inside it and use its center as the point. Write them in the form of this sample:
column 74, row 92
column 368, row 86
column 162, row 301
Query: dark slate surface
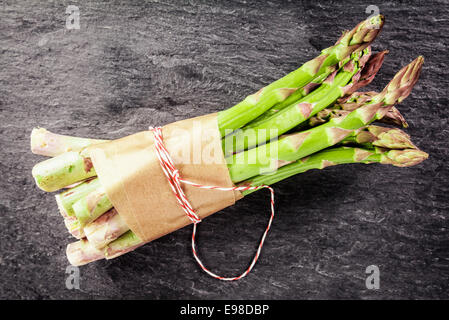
column 139, row 64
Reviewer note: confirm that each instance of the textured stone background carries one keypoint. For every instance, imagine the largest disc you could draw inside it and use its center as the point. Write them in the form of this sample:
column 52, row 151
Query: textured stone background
column 150, row 63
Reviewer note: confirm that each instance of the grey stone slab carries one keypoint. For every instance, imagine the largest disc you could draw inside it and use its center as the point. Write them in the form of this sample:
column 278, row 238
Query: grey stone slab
column 134, row 64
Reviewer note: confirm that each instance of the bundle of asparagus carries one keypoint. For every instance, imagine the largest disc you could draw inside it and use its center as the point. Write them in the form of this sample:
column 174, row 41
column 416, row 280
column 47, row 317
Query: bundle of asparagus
column 314, row 116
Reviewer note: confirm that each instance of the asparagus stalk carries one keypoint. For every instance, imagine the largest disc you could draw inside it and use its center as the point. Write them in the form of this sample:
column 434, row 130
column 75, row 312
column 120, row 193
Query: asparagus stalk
column 124, row 244
column 298, row 94
column 291, row 147
column 82, row 252
column 63, row 170
column 336, row 156
column 105, row 229
column 67, row 198
column 91, row 206
column 330, row 157
column 256, row 104
column 74, row 227
column 46, row 143
column 333, row 87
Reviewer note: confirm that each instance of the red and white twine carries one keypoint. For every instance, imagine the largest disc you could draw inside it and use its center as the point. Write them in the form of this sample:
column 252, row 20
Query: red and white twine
column 175, row 181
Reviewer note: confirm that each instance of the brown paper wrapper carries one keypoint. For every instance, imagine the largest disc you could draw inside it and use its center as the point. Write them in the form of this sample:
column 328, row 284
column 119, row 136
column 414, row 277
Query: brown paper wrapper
column 129, row 170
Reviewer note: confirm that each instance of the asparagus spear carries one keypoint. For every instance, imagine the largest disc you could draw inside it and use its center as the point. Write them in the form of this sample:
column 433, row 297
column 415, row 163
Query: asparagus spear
column 63, row 170
column 91, row 206
column 256, row 104
column 125, row 243
column 298, row 94
column 50, row 144
column 341, row 155
column 66, row 199
column 82, row 252
column 105, row 229
column 73, row 227
column 333, row 87
column 291, row 147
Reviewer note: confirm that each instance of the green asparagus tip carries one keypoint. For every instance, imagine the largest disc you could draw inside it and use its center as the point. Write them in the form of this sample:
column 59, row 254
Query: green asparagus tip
column 403, row 82
column 367, row 30
column 405, row 158
column 393, row 116
column 390, row 138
